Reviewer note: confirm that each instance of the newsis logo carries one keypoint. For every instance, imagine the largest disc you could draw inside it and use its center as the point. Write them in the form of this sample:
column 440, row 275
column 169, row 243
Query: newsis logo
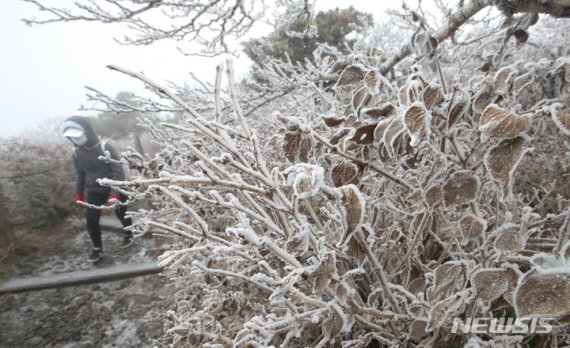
column 502, row 325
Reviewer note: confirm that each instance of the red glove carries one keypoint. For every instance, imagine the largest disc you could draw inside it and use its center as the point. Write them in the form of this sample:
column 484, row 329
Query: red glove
column 79, row 197
column 113, row 199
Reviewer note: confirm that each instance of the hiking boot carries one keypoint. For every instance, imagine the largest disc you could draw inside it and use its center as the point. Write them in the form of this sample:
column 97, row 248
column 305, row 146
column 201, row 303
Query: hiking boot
column 95, row 255
column 127, row 242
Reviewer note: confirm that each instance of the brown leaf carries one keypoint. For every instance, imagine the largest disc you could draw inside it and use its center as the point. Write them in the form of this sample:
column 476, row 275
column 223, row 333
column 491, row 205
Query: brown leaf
column 354, row 248
column 444, row 310
column 433, row 196
column 298, row 243
column 418, row 329
column 497, row 123
column 291, row 145
column 344, row 173
column 456, row 110
column 448, row 277
column 339, row 65
column 492, row 283
column 372, row 81
column 522, row 81
column 432, row 96
column 462, row 187
column 352, row 74
column 482, row 99
column 353, row 206
column 413, row 91
column 471, row 226
column 361, row 98
column 417, row 121
column 364, row 135
column 502, row 161
column 394, row 129
column 509, row 239
column 502, row 79
column 305, row 147
column 337, row 137
column 543, row 294
column 385, row 110
column 297, row 146
column 325, row 271
column 334, row 323
column 561, row 117
column 333, row 121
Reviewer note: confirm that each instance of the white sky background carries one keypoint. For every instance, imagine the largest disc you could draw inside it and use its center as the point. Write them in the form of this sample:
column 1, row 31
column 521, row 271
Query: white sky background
column 44, row 68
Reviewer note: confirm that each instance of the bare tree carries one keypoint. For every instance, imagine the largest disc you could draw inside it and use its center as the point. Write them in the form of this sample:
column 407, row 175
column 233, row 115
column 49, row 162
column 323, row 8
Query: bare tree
column 214, row 24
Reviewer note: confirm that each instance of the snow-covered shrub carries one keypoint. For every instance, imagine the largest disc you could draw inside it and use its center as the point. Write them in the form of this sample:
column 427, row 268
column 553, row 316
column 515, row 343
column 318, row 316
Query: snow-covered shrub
column 37, row 177
column 376, row 210
column 352, row 203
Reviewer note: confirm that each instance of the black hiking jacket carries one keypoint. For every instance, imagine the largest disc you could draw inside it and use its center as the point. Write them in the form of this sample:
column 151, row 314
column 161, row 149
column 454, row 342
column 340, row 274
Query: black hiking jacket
column 89, row 167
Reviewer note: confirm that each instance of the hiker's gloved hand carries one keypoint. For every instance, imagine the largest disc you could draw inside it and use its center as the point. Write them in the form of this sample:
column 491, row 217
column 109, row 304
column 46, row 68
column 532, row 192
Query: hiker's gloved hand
column 79, row 197
column 113, row 199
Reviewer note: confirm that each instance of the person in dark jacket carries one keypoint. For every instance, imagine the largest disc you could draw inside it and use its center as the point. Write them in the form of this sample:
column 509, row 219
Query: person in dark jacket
column 89, row 168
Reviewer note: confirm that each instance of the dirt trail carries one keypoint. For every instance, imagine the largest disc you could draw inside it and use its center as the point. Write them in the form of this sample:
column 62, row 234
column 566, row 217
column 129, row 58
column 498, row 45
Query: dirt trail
column 126, row 313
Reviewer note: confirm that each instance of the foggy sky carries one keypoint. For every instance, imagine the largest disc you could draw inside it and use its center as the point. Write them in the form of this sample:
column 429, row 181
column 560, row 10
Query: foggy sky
column 43, row 69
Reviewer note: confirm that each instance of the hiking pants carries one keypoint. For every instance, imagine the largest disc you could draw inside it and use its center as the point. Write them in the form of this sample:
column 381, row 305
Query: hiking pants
column 94, row 215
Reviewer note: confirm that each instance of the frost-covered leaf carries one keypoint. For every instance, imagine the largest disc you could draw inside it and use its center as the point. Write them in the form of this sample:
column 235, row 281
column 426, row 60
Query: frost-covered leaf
column 509, row 239
column 337, row 137
column 297, row 146
column 353, row 205
column 482, row 99
column 417, row 120
column 325, row 271
column 522, row 82
column 502, row 79
column 462, row 187
column 444, row 310
column 364, row 135
column 433, row 196
column 306, row 179
column 418, row 329
column 361, row 99
column 544, row 294
column 492, row 283
column 497, row 123
column 333, row 121
column 561, row 117
column 339, row 65
column 383, row 111
column 353, row 247
column 298, row 243
column 457, row 107
column 344, row 173
column 334, row 323
column 502, row 161
column 432, row 96
column 372, row 81
column 448, row 278
column 394, row 129
column 413, row 91
column 352, row 74
column 471, row 226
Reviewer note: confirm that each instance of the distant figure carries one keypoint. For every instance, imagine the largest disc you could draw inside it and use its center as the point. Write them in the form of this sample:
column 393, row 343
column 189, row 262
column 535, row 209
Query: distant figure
column 88, row 148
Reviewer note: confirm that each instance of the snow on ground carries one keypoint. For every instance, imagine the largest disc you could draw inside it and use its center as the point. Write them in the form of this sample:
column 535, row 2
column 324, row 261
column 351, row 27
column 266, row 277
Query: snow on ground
column 126, row 313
